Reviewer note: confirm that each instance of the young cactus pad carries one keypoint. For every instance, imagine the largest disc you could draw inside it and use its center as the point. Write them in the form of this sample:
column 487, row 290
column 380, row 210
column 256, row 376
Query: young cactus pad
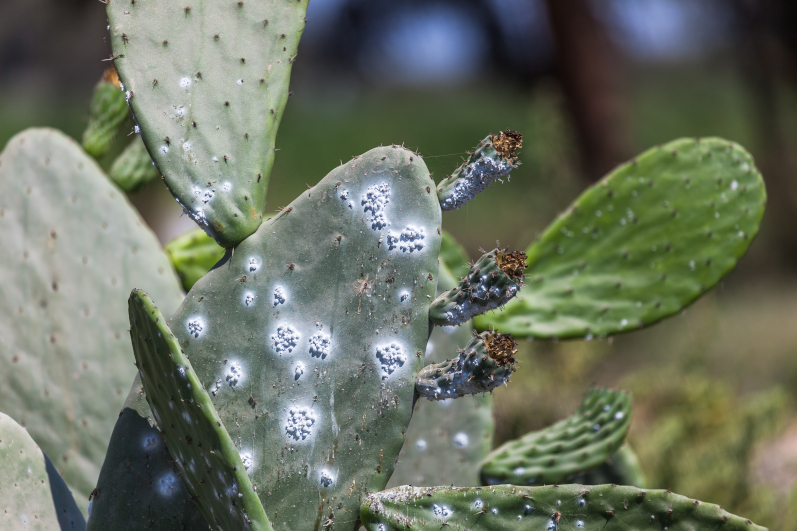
column 486, row 362
column 32, row 494
column 73, row 248
column 208, row 83
column 621, row 468
column 210, row 464
column 107, row 115
column 644, row 242
column 446, row 440
column 310, row 335
column 554, row 455
column 193, row 254
column 565, row 507
column 133, row 168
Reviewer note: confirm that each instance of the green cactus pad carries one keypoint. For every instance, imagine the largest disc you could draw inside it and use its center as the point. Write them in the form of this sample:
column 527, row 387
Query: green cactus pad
column 554, row 508
column 133, row 168
column 209, row 463
column 621, row 468
column 208, row 83
column 447, row 440
column 193, row 254
column 492, row 159
column 138, row 467
column 454, row 257
column 310, row 336
column 32, row 494
column 107, row 115
column 490, row 283
column 486, row 362
column 640, row 245
column 73, row 248
column 554, row 455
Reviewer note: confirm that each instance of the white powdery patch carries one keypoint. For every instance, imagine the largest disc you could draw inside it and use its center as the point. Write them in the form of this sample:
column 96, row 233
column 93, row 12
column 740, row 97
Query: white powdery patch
column 410, row 239
column 298, row 371
column 150, row 441
column 252, row 264
column 285, row 340
column 226, row 187
column 247, row 461
column 234, row 374
column 391, row 358
column 279, row 296
column 420, row 444
column 196, row 327
column 374, row 200
column 185, row 82
column 405, row 296
column 248, row 298
column 461, row 440
column 320, row 345
column 441, row 511
column 166, row 485
column 326, row 478
column 300, row 423
column 474, row 178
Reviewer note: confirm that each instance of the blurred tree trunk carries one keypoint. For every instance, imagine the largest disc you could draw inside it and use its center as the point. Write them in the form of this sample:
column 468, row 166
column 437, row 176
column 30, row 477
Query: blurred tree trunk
column 590, row 70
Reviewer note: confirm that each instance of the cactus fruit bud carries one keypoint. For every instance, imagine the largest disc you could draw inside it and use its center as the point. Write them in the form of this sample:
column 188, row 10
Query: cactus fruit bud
column 133, row 168
column 493, row 158
column 193, row 254
column 107, row 114
column 491, row 282
column 486, row 362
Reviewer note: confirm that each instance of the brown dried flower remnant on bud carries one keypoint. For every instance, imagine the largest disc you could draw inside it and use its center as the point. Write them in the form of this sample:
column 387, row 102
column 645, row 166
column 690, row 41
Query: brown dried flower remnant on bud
column 110, row 76
column 506, row 143
column 513, row 264
column 501, row 347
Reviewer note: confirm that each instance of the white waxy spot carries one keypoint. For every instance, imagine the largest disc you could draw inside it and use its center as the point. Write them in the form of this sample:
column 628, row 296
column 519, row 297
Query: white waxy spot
column 461, row 440
column 185, row 82
column 391, row 358
column 136, row 129
column 519, row 471
column 253, row 264
column 619, row 415
column 167, row 484
column 420, row 444
column 196, row 327
column 234, row 374
column 181, row 371
column 745, row 167
column 320, row 345
column 240, row 81
column 734, row 185
column 441, row 511
column 150, row 441
column 551, row 526
column 298, row 371
column 326, row 479
column 285, row 340
column 624, row 322
column 374, row 200
column 478, row 504
column 449, row 329
column 226, row 187
column 186, row 417
column 300, row 423
column 410, row 240
column 527, row 510
column 247, row 461
column 344, row 194
column 580, row 524
column 165, row 149
column 495, row 511
column 582, row 502
column 207, row 195
column 381, row 527
column 279, row 296
column 248, row 298
column 186, row 146
column 215, row 159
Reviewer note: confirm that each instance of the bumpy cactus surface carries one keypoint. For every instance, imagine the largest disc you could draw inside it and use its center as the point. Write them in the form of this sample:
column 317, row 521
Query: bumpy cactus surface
column 193, row 254
column 108, row 115
column 604, row 507
column 211, row 466
column 208, row 83
column 32, row 494
column 133, row 168
column 647, row 240
column 72, row 247
column 621, row 468
column 578, row 443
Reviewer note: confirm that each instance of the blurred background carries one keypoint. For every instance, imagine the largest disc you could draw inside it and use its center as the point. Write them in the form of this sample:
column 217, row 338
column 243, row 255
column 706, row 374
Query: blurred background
column 589, row 84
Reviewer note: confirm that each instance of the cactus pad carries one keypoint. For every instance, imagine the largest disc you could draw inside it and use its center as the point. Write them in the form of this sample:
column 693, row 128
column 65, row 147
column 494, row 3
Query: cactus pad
column 209, row 463
column 565, row 507
column 454, row 257
column 446, row 440
column 208, row 83
column 73, row 248
column 644, row 242
column 133, row 168
column 193, row 254
column 580, row 442
column 32, row 494
column 622, row 468
column 310, row 335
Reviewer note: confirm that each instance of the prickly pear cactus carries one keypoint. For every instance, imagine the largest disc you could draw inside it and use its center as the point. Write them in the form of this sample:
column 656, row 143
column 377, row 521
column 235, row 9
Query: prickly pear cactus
column 310, row 336
column 208, row 83
column 108, row 115
column 138, row 467
column 647, row 240
column 621, row 468
column 212, row 468
column 193, row 254
column 556, row 454
column 133, row 168
column 446, row 440
column 570, row 507
column 72, row 248
column 32, row 494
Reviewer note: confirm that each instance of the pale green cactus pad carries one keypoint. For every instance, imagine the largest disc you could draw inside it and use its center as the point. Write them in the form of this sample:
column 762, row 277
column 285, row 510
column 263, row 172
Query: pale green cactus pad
column 208, row 82
column 309, row 336
column 73, row 248
column 133, row 168
column 193, row 254
column 446, row 440
column 556, row 454
column 138, row 467
column 32, row 494
column 553, row 508
column 621, row 468
column 640, row 245
column 210, row 465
